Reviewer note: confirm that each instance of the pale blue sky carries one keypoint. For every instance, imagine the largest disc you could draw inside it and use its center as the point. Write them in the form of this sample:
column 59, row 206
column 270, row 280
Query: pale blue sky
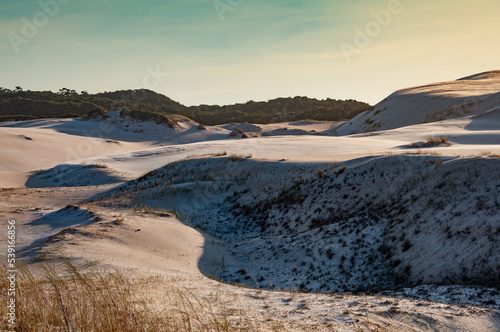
column 256, row 50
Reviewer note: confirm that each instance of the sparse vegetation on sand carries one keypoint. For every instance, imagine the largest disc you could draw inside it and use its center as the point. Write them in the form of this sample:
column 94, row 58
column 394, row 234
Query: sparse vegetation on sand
column 71, row 298
column 432, row 141
column 437, row 140
column 376, row 216
column 235, row 157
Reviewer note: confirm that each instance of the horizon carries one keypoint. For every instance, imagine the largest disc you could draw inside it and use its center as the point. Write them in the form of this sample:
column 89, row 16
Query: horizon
column 231, row 51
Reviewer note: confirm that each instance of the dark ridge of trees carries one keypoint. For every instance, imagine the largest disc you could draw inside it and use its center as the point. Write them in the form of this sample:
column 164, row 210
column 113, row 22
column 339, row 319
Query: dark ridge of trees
column 277, row 110
column 22, row 104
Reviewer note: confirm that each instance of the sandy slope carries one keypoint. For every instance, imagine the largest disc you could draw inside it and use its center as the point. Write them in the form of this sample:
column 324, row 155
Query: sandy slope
column 50, row 142
column 468, row 135
column 442, row 200
column 131, row 149
column 37, row 144
column 163, row 246
column 159, row 245
column 433, row 102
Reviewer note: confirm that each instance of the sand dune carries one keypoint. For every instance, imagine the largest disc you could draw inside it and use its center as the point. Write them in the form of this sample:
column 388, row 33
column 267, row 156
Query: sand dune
column 376, row 203
column 469, row 136
column 146, row 244
column 429, row 103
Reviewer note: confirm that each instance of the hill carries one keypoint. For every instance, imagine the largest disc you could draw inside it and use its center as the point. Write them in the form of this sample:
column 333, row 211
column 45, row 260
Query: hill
column 470, row 95
column 277, row 110
column 370, row 224
column 23, row 105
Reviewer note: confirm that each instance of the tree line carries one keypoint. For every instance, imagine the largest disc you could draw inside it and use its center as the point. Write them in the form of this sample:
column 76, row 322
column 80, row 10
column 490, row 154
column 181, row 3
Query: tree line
column 20, row 104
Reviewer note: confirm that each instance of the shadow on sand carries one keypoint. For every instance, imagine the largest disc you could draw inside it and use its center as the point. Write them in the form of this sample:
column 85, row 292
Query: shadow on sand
column 215, row 259
column 73, row 176
column 55, row 222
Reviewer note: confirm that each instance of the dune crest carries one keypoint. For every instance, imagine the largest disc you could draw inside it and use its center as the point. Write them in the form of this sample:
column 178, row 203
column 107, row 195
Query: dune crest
column 429, row 103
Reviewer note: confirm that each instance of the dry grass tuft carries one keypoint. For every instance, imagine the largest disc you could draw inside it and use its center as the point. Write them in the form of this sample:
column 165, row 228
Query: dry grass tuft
column 429, row 153
column 235, row 157
column 437, row 140
column 431, row 141
column 489, row 154
column 66, row 299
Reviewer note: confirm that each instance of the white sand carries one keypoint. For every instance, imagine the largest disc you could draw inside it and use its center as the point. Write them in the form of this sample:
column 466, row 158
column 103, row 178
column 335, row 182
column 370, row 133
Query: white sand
column 428, row 103
column 154, row 245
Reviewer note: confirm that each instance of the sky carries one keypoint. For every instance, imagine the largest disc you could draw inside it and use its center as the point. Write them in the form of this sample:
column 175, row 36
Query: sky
column 227, row 51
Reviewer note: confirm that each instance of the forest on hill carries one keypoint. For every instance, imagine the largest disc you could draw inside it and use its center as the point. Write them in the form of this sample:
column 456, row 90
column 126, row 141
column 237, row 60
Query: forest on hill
column 19, row 104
